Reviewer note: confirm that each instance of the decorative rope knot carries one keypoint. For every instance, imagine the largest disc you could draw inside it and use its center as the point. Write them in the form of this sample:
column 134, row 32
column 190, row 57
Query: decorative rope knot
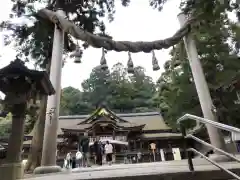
column 103, row 61
column 130, row 66
column 155, row 62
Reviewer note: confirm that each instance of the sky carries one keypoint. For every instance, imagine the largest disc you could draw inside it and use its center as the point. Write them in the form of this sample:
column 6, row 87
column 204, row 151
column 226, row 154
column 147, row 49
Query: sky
column 138, row 22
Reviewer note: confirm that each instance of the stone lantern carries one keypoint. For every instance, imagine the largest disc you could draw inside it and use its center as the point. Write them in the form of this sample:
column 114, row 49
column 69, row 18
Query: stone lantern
column 19, row 84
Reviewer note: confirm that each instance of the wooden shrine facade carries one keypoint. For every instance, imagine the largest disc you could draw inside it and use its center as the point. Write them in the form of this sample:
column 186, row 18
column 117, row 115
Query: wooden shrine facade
column 129, row 133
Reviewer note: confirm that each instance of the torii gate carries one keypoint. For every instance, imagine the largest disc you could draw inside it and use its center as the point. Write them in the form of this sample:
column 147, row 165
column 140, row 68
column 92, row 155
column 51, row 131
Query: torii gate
column 63, row 25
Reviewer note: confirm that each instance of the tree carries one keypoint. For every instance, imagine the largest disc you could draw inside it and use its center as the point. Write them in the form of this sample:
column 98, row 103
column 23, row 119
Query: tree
column 121, row 95
column 95, row 88
column 86, row 18
column 72, row 102
column 116, row 89
column 204, row 7
column 69, row 98
column 143, row 87
column 219, row 59
column 5, row 125
column 34, row 158
column 35, row 42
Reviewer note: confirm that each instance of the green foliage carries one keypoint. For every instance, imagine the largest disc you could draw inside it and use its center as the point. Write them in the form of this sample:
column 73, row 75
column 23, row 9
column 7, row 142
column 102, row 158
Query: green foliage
column 34, row 40
column 117, row 90
column 205, row 8
column 72, row 102
column 143, row 88
column 95, row 86
column 5, row 125
column 121, row 89
column 216, row 41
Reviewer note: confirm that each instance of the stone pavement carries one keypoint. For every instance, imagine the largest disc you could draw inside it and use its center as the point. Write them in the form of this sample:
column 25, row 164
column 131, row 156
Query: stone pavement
column 175, row 170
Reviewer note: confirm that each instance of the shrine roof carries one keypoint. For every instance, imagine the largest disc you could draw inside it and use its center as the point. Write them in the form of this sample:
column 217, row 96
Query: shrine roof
column 149, row 121
column 84, row 127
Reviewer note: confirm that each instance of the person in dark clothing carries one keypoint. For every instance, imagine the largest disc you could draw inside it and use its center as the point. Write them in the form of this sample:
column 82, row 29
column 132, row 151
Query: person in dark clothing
column 70, row 162
column 73, row 162
column 84, row 146
column 98, row 149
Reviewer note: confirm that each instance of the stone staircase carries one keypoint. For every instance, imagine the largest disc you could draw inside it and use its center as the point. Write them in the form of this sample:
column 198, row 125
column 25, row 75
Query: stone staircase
column 170, row 170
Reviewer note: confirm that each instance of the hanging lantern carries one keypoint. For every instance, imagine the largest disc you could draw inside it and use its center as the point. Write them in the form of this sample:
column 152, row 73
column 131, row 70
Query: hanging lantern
column 155, row 62
column 103, row 61
column 130, row 68
column 77, row 54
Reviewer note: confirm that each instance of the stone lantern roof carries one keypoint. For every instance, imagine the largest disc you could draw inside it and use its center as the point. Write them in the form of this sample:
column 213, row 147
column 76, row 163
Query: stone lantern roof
column 12, row 76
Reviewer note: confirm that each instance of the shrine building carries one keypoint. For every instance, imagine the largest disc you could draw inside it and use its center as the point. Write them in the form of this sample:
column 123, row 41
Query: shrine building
column 129, row 133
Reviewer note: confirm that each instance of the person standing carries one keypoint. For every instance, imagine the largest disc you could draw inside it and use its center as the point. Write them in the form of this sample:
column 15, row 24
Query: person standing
column 139, row 157
column 98, row 149
column 109, row 152
column 153, row 148
column 125, row 160
column 68, row 158
column 84, row 143
column 73, row 162
column 78, row 158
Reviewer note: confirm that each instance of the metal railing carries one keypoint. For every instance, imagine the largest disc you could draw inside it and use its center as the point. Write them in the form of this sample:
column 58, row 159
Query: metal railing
column 189, row 151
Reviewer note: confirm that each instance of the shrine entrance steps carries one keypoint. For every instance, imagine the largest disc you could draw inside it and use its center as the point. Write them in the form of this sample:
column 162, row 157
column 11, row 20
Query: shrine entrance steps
column 169, row 170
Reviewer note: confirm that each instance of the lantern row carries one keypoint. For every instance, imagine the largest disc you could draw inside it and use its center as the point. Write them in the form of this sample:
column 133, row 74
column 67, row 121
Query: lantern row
column 77, row 55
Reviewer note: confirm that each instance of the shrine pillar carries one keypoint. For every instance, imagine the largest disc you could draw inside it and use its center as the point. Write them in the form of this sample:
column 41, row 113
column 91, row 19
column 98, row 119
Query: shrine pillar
column 203, row 92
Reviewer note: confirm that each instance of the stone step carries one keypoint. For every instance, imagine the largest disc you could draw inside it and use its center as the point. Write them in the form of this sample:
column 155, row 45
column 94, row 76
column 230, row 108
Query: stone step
column 171, row 170
column 198, row 175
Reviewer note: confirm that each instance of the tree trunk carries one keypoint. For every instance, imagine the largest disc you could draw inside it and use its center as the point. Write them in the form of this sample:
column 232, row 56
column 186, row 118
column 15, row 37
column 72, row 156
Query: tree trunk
column 35, row 154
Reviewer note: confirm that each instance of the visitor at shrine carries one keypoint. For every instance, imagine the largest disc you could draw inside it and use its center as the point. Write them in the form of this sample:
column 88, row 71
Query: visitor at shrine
column 134, row 159
column 125, row 159
column 68, row 159
column 98, row 149
column 153, row 148
column 78, row 158
column 84, row 143
column 139, row 157
column 109, row 152
column 73, row 162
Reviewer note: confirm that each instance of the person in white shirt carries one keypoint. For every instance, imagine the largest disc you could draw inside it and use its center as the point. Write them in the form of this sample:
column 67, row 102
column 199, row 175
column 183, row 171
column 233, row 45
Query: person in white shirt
column 109, row 152
column 68, row 158
column 139, row 157
column 78, row 158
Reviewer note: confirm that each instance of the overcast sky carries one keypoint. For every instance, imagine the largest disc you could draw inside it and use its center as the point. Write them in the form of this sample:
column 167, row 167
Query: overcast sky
column 138, row 22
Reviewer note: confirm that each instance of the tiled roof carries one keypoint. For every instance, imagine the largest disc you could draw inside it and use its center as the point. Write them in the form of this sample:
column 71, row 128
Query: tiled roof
column 152, row 121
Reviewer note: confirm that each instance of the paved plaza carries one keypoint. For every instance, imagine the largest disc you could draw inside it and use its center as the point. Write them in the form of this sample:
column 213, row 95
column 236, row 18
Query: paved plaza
column 132, row 171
